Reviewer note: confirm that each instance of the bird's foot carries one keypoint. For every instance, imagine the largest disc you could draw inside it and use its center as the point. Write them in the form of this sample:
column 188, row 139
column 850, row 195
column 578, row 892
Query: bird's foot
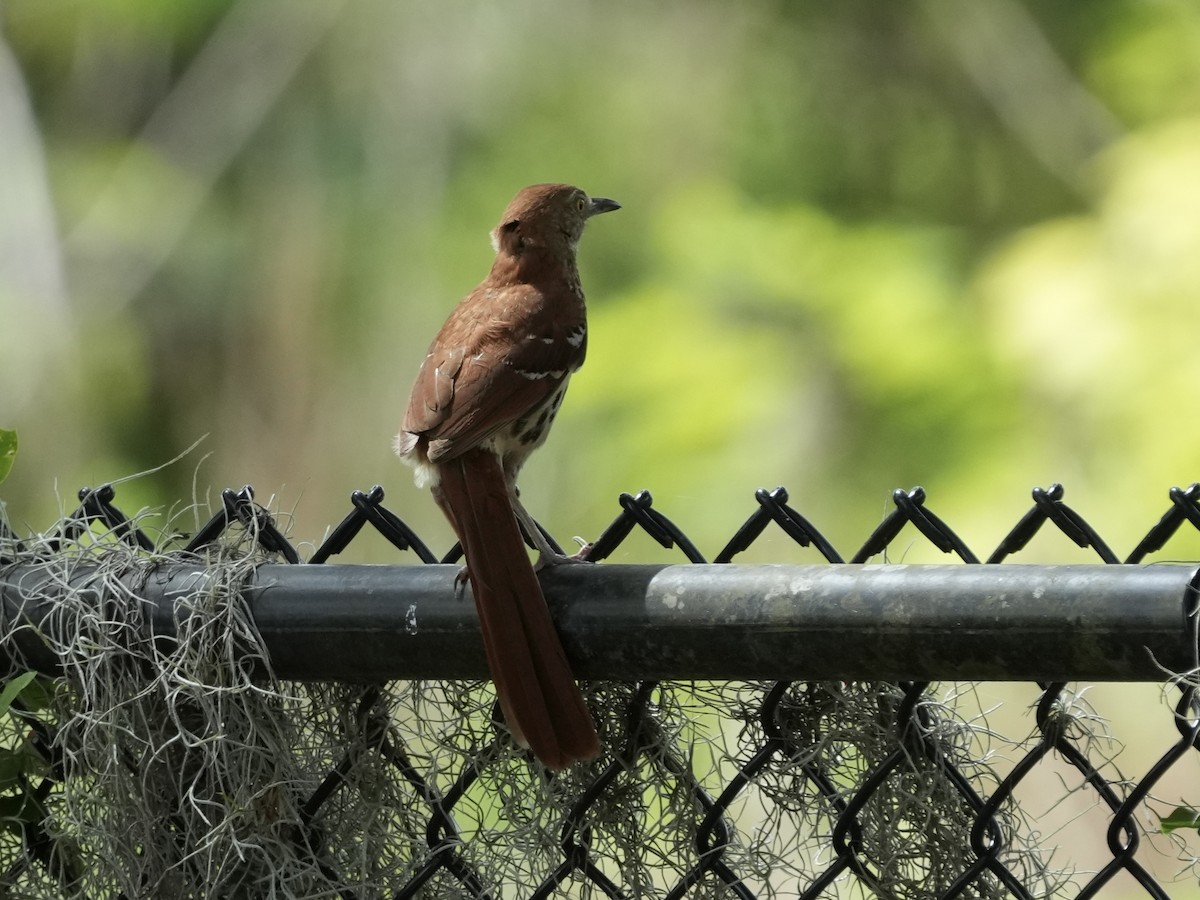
column 549, row 559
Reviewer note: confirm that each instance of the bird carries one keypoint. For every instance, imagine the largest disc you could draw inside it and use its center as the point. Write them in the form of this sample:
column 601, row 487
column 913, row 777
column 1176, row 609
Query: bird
column 484, row 399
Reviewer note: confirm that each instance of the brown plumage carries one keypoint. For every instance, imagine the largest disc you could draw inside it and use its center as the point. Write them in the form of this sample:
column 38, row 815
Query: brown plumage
column 484, row 399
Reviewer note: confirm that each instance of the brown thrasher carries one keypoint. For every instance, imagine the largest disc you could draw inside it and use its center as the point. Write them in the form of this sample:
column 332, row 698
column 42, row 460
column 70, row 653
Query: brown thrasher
column 485, row 398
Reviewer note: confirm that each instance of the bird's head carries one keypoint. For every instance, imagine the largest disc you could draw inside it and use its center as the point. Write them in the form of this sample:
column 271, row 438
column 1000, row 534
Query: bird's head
column 547, row 219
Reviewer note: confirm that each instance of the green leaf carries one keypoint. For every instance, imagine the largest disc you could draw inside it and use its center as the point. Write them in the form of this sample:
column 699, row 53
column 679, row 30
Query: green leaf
column 17, row 764
column 39, row 693
column 12, row 767
column 13, row 687
column 11, row 810
column 20, row 808
column 1182, row 817
column 8, row 451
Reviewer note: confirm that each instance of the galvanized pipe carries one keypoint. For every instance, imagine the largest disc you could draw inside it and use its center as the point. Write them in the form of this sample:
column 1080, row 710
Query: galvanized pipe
column 844, row 622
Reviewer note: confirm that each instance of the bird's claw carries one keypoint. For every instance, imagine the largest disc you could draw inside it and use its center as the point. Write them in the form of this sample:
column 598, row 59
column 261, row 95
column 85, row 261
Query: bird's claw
column 549, row 560
column 460, row 581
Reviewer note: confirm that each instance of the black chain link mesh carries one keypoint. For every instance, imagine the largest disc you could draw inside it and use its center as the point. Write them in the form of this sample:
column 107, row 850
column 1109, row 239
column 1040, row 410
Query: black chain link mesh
column 784, row 789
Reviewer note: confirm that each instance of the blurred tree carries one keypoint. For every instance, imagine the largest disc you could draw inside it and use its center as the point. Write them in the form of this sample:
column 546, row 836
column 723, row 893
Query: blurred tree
column 863, row 246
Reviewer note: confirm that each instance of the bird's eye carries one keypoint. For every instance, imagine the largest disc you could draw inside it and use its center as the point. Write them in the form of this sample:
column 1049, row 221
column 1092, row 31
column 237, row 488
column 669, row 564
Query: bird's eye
column 581, row 204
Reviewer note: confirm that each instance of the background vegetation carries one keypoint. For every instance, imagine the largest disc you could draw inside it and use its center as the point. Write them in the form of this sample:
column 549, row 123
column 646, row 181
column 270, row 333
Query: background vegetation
column 864, row 246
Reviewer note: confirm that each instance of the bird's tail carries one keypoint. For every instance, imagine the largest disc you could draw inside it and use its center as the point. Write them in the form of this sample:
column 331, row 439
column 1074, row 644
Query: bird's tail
column 537, row 691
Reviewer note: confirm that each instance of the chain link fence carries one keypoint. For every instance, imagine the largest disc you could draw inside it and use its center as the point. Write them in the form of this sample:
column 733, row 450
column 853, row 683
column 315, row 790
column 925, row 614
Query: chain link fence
column 168, row 758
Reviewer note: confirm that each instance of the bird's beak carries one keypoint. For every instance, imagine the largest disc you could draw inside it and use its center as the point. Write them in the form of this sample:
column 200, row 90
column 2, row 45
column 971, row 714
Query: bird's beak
column 602, row 205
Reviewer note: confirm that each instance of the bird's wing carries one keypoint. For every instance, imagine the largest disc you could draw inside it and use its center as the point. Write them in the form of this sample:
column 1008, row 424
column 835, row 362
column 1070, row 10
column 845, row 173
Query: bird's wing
column 500, row 355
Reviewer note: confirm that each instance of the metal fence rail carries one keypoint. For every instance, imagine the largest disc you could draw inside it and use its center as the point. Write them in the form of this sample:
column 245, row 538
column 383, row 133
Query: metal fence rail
column 179, row 757
column 812, row 623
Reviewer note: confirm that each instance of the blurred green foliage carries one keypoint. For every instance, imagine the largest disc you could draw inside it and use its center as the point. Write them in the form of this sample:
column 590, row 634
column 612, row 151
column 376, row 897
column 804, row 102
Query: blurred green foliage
column 8, row 451
column 863, row 246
